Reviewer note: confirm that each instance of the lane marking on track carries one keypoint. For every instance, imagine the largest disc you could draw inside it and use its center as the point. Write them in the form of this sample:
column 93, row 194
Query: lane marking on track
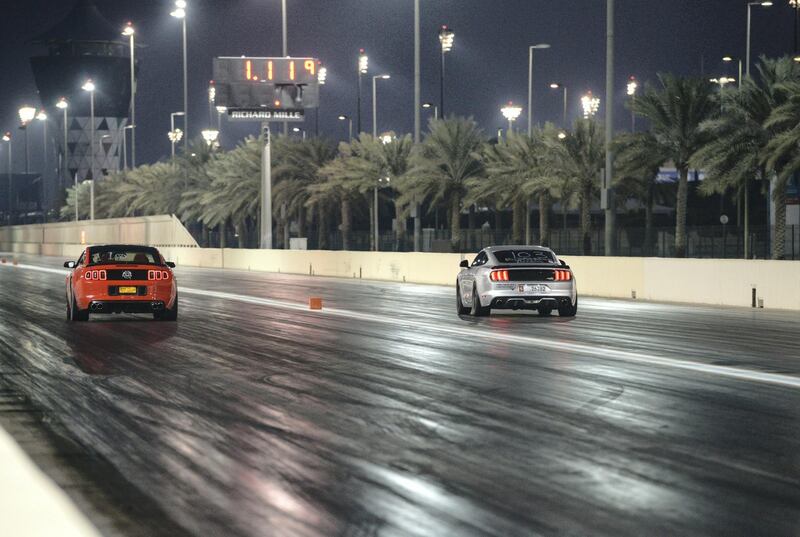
column 604, row 352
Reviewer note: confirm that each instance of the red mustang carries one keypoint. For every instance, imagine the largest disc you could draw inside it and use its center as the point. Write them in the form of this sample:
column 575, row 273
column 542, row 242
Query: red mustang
column 121, row 278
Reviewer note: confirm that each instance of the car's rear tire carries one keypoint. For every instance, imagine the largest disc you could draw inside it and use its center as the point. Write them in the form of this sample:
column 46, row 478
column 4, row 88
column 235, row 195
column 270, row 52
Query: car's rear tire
column 168, row 315
column 569, row 310
column 545, row 311
column 461, row 309
column 477, row 310
column 76, row 314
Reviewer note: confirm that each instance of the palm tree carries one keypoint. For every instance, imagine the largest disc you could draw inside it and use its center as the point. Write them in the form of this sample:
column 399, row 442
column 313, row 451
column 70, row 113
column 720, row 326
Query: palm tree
column 299, row 168
column 442, row 168
column 676, row 111
column 638, row 160
column 739, row 146
column 234, row 194
column 578, row 158
column 783, row 153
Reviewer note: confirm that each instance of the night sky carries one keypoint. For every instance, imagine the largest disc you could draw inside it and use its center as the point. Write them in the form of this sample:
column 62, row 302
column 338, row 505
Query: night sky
column 487, row 68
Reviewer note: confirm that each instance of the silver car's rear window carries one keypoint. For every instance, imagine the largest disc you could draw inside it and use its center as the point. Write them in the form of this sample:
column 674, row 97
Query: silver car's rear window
column 524, row 256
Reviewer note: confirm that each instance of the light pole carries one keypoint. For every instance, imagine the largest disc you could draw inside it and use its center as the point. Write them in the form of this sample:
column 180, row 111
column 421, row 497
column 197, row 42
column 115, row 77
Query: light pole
column 631, row 91
column 42, row 116
column 285, row 47
column 130, row 33
column 180, row 13
column 796, row 5
column 428, row 106
column 322, row 78
column 375, row 135
column 608, row 176
column 90, row 87
column 363, row 68
column 749, row 16
column 728, row 59
column 220, row 110
column 349, row 126
column 446, row 39
column 175, row 135
column 63, row 105
column 7, row 140
column 26, row 115
column 722, row 82
column 210, row 136
column 590, row 105
column 511, row 113
column 558, row 85
column 540, row 46
column 375, row 102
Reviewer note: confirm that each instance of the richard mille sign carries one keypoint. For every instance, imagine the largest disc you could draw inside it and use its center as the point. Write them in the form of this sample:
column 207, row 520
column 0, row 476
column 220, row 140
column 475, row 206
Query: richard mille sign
column 267, row 115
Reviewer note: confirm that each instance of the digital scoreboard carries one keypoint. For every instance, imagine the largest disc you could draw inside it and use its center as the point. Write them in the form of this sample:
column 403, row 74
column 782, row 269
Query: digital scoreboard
column 278, row 89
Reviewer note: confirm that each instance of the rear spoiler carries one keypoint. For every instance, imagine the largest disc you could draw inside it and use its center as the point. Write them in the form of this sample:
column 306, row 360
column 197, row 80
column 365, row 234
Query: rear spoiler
column 531, row 266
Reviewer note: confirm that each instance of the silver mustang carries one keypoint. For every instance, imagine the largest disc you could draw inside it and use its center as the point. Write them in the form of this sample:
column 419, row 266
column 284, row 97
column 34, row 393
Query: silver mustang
column 516, row 277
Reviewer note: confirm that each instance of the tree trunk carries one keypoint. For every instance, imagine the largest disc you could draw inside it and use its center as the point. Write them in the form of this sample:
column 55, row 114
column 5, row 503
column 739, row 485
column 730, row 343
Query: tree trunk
column 323, row 227
column 586, row 220
column 301, row 221
column 345, row 223
column 286, row 230
column 223, row 228
column 544, row 219
column 470, row 243
column 779, row 244
column 241, row 238
column 519, row 211
column 648, row 221
column 204, row 235
column 680, row 212
column 455, row 223
column 371, row 205
column 400, row 233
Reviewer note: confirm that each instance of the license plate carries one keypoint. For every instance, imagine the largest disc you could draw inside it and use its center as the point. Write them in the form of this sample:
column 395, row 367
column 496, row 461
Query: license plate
column 127, row 290
column 533, row 288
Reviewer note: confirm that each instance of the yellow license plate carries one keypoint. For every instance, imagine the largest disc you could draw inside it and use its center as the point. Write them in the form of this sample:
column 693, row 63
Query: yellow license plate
column 127, row 290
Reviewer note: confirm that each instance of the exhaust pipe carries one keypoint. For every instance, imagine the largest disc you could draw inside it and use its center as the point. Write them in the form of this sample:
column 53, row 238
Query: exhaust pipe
column 157, row 306
column 96, row 307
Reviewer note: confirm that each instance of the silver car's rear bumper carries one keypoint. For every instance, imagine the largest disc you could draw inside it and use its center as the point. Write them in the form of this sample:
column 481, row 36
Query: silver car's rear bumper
column 519, row 295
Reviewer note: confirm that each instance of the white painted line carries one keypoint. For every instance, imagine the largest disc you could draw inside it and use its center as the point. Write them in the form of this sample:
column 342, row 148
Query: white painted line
column 30, row 503
column 599, row 351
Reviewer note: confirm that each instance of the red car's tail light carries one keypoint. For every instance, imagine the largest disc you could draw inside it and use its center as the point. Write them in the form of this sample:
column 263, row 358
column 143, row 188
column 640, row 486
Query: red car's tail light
column 95, row 275
column 158, row 275
column 499, row 275
column 562, row 275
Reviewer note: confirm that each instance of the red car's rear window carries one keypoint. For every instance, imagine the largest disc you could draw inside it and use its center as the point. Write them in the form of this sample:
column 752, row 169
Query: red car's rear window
column 123, row 255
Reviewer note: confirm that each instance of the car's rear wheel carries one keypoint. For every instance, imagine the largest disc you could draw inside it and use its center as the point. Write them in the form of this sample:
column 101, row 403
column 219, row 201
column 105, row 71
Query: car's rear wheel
column 76, row 314
column 477, row 310
column 569, row 310
column 168, row 315
column 461, row 309
column 545, row 310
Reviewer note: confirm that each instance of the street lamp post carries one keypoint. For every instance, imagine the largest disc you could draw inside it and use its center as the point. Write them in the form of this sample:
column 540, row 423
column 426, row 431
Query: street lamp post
column 322, row 78
column 796, row 5
column 631, row 91
column 590, row 105
column 728, row 59
column 26, row 115
column 129, row 32
column 90, row 87
column 7, row 140
column 42, row 116
column 63, row 105
column 220, row 110
column 749, row 16
column 175, row 135
column 558, row 85
column 180, row 13
column 540, row 46
column 375, row 135
column 511, row 113
column 349, row 126
column 446, row 39
column 428, row 106
column 363, row 68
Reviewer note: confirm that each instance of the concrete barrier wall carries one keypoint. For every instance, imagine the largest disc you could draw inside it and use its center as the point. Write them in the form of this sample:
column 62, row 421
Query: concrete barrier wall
column 164, row 230
column 726, row 282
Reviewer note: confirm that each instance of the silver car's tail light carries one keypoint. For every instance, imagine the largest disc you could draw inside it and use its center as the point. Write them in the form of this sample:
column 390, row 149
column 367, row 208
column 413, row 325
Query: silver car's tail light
column 499, row 275
column 157, row 275
column 562, row 275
